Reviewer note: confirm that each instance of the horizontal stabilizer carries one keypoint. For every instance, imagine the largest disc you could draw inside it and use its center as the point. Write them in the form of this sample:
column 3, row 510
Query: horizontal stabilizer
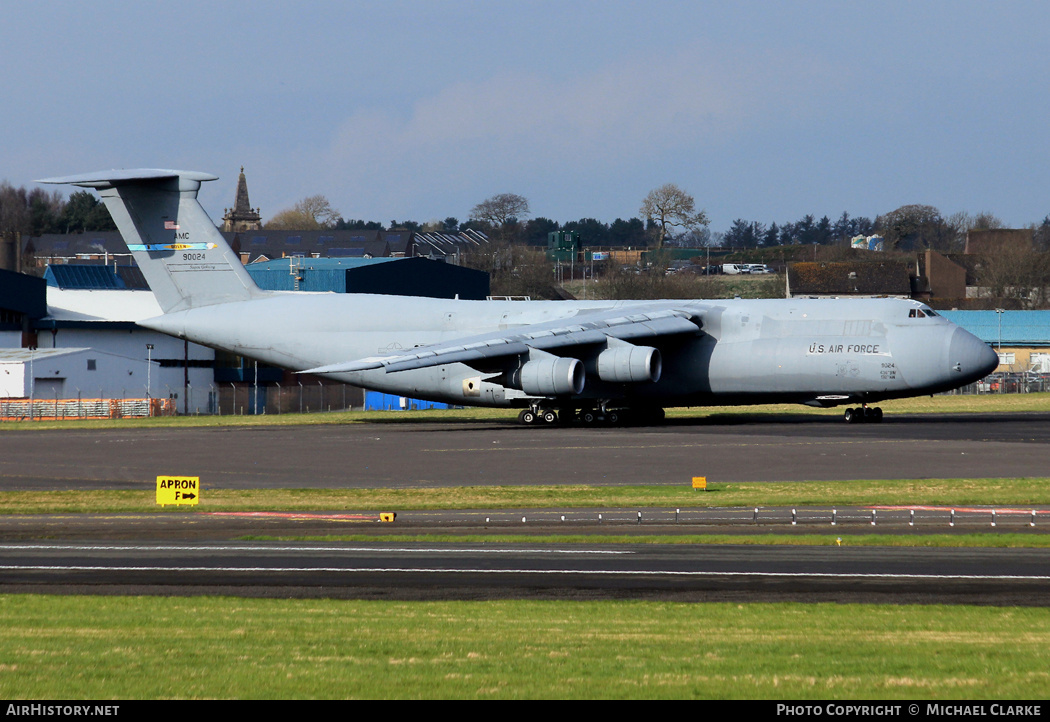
column 111, row 178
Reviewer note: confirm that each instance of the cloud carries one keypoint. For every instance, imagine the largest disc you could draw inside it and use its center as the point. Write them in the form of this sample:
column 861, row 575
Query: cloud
column 637, row 107
column 642, row 105
column 518, row 130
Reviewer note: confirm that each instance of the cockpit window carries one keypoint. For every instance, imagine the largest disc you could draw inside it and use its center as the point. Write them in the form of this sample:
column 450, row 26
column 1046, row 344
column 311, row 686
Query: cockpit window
column 930, row 312
column 921, row 313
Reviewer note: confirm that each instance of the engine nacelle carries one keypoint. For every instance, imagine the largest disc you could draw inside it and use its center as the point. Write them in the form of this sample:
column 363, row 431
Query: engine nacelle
column 629, row 364
column 552, row 376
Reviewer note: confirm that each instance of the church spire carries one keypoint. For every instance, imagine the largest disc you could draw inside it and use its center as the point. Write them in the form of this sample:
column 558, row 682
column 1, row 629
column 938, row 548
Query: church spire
column 241, row 217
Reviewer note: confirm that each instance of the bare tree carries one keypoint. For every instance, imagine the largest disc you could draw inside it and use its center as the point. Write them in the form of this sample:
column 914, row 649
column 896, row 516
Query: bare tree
column 14, row 208
column 502, row 213
column 1015, row 273
column 310, row 214
column 670, row 207
column 961, row 223
column 33, row 212
column 917, row 227
column 514, row 269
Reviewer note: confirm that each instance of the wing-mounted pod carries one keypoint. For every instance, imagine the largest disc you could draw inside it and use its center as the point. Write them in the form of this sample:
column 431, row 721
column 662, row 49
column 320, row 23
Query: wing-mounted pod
column 545, row 374
column 623, row 362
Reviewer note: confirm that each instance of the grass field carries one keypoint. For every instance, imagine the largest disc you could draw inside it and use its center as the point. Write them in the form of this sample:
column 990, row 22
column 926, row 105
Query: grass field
column 55, row 647
column 81, row 647
column 990, row 492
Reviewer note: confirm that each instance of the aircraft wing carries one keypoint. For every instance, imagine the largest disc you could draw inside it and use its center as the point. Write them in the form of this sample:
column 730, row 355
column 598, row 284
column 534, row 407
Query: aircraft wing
column 587, row 329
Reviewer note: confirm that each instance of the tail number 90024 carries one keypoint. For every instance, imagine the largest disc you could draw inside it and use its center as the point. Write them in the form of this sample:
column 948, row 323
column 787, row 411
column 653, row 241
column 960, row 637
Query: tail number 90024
column 193, row 256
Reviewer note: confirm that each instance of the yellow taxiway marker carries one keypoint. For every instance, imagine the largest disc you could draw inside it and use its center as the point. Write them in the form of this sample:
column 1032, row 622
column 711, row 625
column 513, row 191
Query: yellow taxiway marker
column 178, row 490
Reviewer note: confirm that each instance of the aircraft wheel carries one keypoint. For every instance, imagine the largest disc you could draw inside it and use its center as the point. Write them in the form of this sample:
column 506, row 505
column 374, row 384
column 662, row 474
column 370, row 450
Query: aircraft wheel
column 527, row 417
column 613, row 418
column 549, row 417
column 851, row 416
column 876, row 414
column 589, row 418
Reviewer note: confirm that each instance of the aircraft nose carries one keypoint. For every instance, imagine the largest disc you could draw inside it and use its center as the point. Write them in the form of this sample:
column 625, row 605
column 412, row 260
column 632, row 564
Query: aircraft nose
column 970, row 357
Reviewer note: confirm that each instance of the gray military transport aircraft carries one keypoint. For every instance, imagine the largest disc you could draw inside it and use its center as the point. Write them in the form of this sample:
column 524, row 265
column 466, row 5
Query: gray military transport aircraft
column 592, row 361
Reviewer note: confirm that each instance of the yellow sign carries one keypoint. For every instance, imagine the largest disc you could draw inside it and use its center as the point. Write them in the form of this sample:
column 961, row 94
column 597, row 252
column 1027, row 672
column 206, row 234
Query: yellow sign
column 700, row 482
column 178, row 490
column 387, row 516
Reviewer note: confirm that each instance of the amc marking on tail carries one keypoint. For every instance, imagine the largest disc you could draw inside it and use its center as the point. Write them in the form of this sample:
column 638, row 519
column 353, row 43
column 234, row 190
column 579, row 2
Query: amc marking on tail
column 178, row 490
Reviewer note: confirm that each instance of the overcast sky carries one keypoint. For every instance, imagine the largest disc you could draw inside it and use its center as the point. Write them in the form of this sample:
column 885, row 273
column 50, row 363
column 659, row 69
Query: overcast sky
column 419, row 110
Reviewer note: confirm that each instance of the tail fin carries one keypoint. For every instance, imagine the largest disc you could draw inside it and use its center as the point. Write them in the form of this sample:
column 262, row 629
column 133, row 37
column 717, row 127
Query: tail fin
column 184, row 258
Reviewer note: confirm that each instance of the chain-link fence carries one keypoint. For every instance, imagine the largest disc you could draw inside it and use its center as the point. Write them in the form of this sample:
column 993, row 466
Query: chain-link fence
column 1007, row 383
column 302, row 398
column 57, row 409
column 213, row 399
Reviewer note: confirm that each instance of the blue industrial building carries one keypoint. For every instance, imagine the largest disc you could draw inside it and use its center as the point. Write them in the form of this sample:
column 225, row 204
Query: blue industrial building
column 387, row 276
column 94, row 277
column 1016, row 328
column 378, row 401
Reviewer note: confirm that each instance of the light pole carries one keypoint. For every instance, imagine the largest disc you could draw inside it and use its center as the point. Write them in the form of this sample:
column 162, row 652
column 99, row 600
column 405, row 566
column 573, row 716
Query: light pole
column 149, row 370
column 999, row 314
column 32, row 380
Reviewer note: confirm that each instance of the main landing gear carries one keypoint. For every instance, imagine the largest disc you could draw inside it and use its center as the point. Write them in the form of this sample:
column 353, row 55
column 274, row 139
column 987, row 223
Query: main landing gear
column 631, row 416
column 537, row 416
column 592, row 416
column 863, row 415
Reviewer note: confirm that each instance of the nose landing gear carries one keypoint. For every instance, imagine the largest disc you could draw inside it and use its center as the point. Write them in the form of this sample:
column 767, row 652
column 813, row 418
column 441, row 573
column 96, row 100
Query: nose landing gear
column 863, row 415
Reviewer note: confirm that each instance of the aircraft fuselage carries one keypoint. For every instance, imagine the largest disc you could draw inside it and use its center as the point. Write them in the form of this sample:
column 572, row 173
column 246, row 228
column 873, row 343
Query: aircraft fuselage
column 817, row 351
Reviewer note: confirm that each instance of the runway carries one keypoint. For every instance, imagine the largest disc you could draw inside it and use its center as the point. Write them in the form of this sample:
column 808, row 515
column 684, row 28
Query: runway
column 481, row 571
column 198, row 553
column 407, row 455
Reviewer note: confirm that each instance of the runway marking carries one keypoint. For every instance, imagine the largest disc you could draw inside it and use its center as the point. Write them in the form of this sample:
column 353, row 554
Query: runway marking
column 326, row 549
column 968, row 509
column 605, row 447
column 557, row 572
column 294, row 515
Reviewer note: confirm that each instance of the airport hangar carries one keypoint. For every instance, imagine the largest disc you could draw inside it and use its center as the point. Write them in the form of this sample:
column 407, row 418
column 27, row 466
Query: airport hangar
column 78, row 308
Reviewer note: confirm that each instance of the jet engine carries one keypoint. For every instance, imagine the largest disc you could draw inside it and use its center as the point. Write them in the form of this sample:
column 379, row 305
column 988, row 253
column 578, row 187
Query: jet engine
column 628, row 363
column 551, row 376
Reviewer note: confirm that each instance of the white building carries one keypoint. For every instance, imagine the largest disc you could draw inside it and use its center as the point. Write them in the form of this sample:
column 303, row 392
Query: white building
column 71, row 373
column 103, row 321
